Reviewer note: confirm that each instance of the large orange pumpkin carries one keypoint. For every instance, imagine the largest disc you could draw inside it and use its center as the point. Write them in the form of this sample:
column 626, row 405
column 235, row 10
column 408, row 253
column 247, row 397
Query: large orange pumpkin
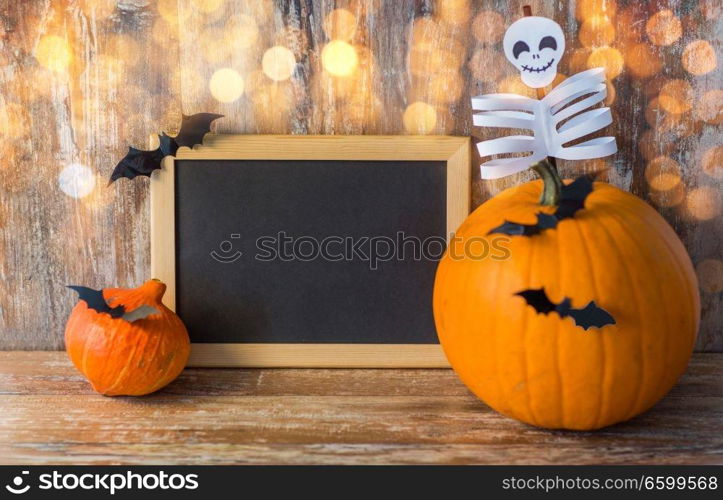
column 122, row 358
column 546, row 370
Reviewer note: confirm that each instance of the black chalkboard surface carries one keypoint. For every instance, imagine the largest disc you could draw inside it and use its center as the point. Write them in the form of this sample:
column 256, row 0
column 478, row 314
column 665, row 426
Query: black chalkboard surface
column 308, row 251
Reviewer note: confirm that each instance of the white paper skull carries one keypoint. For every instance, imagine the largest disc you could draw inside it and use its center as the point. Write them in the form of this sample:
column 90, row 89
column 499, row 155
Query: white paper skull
column 535, row 45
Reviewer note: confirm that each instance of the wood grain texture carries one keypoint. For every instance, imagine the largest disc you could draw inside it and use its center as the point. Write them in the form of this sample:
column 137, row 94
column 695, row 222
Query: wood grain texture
column 81, row 80
column 281, row 416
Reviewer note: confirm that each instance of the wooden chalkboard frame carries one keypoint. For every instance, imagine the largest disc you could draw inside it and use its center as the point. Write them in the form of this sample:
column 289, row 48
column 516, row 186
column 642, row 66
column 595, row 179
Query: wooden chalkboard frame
column 455, row 151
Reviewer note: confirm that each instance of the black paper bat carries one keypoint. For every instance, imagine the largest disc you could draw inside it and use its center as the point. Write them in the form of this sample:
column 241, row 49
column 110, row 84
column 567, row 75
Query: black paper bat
column 140, row 162
column 590, row 316
column 96, row 301
column 572, row 199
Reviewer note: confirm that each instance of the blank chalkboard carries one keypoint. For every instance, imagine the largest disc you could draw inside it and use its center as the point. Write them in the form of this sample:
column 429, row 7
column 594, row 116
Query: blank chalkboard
column 291, row 251
column 313, row 252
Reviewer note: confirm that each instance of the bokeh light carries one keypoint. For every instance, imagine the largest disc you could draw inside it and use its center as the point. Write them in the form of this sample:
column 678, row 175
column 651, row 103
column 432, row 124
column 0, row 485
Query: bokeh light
column 242, row 31
column 454, row 11
column 487, row 65
column 207, row 5
column 699, row 57
column 169, row 11
column 339, row 58
column 419, row 118
column 642, row 61
column 712, row 162
column 676, row 96
column 99, row 8
column 278, row 63
column 577, row 59
column 585, row 9
column 340, row 24
column 709, row 108
column 711, row 9
column 488, row 27
column 710, row 275
column 54, row 53
column 513, row 85
column 608, row 58
column 597, row 31
column 76, row 180
column 670, row 198
column 663, row 173
column 226, row 85
column 664, row 28
column 703, row 203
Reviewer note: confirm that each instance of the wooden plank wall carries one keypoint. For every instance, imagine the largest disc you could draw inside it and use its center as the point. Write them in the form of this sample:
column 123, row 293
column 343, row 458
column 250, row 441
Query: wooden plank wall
column 80, row 80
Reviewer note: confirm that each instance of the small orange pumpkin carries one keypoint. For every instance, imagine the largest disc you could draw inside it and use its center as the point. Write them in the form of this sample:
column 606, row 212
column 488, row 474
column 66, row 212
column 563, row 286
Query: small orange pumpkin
column 122, row 358
column 544, row 369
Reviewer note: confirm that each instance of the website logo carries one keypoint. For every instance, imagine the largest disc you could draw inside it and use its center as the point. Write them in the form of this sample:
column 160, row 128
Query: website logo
column 16, row 487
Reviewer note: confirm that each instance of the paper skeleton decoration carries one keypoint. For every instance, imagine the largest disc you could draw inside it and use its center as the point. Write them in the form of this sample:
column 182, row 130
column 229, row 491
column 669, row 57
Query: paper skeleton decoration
column 534, row 45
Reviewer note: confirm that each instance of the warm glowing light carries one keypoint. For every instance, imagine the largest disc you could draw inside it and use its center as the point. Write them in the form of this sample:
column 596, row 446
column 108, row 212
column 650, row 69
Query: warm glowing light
column 423, row 62
column 577, row 59
column 704, row 203
column 207, row 5
column 597, row 31
column 439, row 88
column 670, row 198
column 663, row 28
column 608, row 58
column 54, row 53
column 419, row 118
column 709, row 108
column 278, row 63
column 651, row 145
column 168, row 9
column 710, row 275
column 76, row 180
column 699, row 57
column 663, row 173
column 630, row 22
column 487, row 65
column 13, row 123
column 679, row 126
column 99, row 8
column 585, row 9
column 654, row 113
column 226, row 85
column 214, row 47
column 488, row 27
column 340, row 24
column 513, row 85
column 453, row 11
column 339, row 58
column 641, row 61
column 713, row 162
column 676, row 96
column 242, row 32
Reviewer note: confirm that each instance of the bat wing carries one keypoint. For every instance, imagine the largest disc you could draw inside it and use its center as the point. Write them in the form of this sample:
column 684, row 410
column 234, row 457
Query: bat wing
column 544, row 221
column 590, row 316
column 96, row 301
column 538, row 299
column 137, row 162
column 573, row 196
column 194, row 127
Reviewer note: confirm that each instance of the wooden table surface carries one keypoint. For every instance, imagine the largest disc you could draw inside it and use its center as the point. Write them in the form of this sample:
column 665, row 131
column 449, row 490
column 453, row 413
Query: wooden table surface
column 49, row 415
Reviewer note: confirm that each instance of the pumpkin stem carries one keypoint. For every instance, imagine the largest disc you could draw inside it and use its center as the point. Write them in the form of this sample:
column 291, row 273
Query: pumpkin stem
column 552, row 184
column 154, row 288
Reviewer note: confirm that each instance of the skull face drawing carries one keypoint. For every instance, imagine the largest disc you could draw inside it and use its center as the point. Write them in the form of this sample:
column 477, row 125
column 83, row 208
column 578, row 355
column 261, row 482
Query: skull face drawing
column 534, row 45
